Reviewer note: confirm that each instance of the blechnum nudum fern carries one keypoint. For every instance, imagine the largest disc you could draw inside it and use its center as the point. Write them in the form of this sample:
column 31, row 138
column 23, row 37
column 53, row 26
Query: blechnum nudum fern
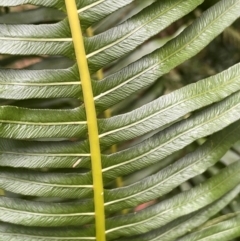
column 56, row 171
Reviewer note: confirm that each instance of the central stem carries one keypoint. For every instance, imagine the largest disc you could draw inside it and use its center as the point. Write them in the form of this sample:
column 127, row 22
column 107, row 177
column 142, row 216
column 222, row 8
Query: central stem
column 95, row 151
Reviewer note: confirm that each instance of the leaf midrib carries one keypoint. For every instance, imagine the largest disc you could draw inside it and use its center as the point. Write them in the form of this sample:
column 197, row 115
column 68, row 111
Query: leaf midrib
column 41, row 183
column 48, row 214
column 37, row 39
column 90, row 6
column 43, row 123
column 41, row 84
column 52, row 238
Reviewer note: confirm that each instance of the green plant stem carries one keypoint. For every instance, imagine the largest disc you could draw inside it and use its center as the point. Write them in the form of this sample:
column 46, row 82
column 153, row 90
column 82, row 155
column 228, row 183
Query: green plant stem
column 2, row 192
column 91, row 118
column 107, row 113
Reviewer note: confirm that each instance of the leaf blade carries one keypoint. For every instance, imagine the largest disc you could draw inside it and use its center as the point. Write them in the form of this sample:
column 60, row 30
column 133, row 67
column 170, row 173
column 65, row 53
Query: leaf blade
column 177, row 206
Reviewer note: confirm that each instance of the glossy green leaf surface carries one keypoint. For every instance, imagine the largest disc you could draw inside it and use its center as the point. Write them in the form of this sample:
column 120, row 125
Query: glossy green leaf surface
column 223, row 231
column 179, row 205
column 175, row 137
column 143, row 72
column 63, row 63
column 179, row 102
column 185, row 224
column 43, row 214
column 170, row 177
